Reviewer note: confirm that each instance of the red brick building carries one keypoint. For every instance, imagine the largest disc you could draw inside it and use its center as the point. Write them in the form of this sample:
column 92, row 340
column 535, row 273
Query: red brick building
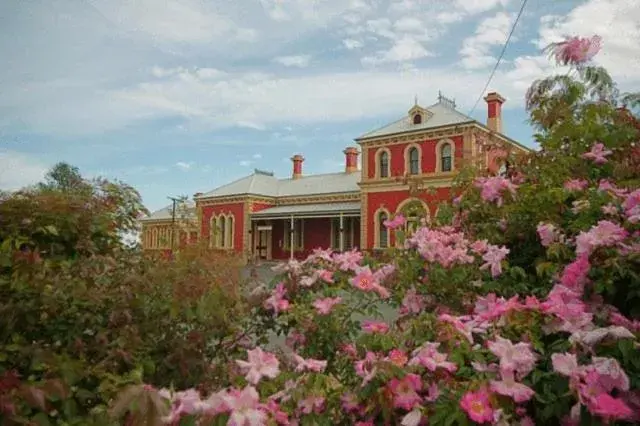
column 406, row 167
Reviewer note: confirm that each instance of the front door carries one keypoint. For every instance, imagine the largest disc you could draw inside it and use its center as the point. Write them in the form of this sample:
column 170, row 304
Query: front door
column 263, row 243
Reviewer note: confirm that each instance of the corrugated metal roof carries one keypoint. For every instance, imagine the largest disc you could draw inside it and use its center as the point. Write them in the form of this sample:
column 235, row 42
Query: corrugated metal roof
column 310, row 209
column 441, row 114
column 260, row 183
column 166, row 212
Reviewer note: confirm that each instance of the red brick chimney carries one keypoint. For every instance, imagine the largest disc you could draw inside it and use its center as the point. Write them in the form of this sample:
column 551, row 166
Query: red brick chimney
column 351, row 159
column 297, row 166
column 494, row 111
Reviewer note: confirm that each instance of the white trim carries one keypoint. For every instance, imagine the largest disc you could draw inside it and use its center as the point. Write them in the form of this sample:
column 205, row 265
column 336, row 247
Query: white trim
column 379, row 152
column 377, row 226
column 407, row 159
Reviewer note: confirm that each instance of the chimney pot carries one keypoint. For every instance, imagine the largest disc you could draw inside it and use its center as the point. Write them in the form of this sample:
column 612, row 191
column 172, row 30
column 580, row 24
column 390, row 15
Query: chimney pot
column 297, row 166
column 494, row 111
column 351, row 159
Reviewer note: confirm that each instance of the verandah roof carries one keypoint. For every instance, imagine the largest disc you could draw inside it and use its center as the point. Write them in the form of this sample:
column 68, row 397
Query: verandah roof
column 309, row 210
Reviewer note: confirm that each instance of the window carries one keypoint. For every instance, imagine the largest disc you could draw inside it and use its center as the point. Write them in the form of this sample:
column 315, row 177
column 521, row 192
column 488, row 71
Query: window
column 414, row 212
column 383, row 232
column 213, row 231
column 349, row 226
column 417, row 119
column 229, row 233
column 222, row 232
column 296, row 234
column 414, row 161
column 384, row 164
column 445, row 158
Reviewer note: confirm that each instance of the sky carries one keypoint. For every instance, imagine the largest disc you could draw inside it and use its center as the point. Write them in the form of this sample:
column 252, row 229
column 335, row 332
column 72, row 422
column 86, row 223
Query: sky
column 180, row 96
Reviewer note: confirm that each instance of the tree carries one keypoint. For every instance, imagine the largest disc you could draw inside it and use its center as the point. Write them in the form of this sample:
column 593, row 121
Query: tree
column 64, row 177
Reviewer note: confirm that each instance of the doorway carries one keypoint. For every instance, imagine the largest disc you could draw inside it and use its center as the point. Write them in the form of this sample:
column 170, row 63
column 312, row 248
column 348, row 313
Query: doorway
column 262, row 244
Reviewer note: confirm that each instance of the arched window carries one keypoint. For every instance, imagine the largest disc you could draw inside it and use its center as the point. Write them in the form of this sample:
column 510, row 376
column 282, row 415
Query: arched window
column 384, row 164
column 445, row 157
column 414, row 161
column 414, row 212
column 383, row 231
column 417, row 119
column 222, row 228
column 229, row 233
column 213, row 231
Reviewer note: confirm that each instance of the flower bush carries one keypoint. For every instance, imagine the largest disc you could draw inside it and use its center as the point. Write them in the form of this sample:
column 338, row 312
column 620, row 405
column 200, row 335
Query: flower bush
column 522, row 310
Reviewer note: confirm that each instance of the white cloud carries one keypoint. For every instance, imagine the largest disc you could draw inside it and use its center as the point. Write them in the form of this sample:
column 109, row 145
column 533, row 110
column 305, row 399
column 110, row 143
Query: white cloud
column 479, row 6
column 403, row 50
column 184, row 165
column 351, row 44
column 19, row 170
column 493, row 31
column 299, row 61
column 245, row 163
column 449, row 17
column 188, row 21
column 256, row 156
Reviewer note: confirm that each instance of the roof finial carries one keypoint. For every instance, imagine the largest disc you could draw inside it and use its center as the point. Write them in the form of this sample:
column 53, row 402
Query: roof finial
column 415, row 100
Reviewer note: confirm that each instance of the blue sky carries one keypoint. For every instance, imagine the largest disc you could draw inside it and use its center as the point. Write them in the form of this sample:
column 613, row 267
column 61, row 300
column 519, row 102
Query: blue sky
column 181, row 96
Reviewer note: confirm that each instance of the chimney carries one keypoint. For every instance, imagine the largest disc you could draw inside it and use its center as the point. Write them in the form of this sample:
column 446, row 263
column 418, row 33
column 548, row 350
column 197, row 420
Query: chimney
column 297, row 166
column 351, row 159
column 494, row 111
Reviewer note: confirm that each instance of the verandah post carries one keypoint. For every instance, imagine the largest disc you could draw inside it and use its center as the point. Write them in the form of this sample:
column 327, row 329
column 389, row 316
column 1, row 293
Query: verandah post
column 341, row 232
column 291, row 235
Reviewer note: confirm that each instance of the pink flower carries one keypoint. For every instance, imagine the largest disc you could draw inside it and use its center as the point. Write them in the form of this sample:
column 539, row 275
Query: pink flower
column 309, row 364
column 326, row 275
column 462, row 328
column 576, row 185
column 597, row 154
column 412, row 303
column 366, row 368
column 375, row 327
column 631, row 206
column 312, row 404
column 493, row 258
column 518, row 357
column 604, row 234
column 324, row 306
column 398, row 357
column 366, row 281
column 509, row 387
column 548, row 233
column 565, row 364
column 245, row 408
column 405, row 391
column 492, row 188
column 433, row 392
column 477, row 406
column 610, row 210
column 606, row 406
column 396, row 222
column 576, row 50
column 349, row 403
column 259, row 364
column 575, row 274
column 479, row 246
column 277, row 302
column 349, row 260
column 429, row 357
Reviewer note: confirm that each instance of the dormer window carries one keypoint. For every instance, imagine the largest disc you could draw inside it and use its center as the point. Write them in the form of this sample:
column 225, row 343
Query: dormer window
column 417, row 119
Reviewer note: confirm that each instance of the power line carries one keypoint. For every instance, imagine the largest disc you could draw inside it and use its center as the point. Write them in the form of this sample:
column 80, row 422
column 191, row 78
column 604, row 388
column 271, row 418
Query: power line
column 504, row 48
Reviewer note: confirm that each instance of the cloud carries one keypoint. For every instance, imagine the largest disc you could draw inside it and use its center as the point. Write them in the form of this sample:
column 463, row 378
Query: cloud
column 245, row 163
column 19, row 170
column 256, row 156
column 479, row 6
column 350, row 43
column 300, row 61
column 493, row 31
column 184, row 165
column 403, row 50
